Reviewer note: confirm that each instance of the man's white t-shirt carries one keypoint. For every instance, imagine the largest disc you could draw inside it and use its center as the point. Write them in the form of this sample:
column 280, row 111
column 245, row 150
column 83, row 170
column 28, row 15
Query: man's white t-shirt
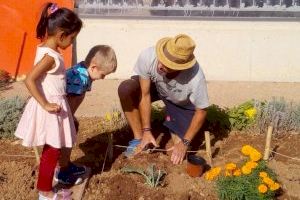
column 188, row 89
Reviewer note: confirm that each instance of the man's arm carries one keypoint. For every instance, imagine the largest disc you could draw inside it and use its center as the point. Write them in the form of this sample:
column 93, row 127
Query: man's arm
column 145, row 113
column 179, row 149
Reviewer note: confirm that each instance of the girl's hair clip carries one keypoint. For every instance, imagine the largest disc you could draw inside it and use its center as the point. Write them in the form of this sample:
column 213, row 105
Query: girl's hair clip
column 53, row 8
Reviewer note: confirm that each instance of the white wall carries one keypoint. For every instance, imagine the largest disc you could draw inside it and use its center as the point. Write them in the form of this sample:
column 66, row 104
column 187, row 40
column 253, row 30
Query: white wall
column 226, row 50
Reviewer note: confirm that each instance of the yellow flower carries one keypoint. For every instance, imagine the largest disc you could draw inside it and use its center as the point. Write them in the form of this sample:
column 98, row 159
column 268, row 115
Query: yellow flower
column 216, row 170
column 274, row 186
column 262, row 188
column 230, row 166
column 263, row 174
column 108, row 116
column 246, row 170
column 268, row 181
column 251, row 164
column 212, row 173
column 250, row 113
column 246, row 149
column 237, row 172
column 255, row 155
column 209, row 176
column 228, row 173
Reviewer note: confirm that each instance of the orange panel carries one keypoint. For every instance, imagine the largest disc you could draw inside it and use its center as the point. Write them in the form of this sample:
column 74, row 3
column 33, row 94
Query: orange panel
column 22, row 17
column 11, row 47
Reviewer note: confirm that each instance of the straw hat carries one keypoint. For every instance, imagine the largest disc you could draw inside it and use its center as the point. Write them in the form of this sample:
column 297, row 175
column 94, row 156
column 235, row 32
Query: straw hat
column 176, row 53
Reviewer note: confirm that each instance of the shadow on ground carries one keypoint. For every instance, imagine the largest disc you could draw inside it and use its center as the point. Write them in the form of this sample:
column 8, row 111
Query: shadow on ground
column 94, row 148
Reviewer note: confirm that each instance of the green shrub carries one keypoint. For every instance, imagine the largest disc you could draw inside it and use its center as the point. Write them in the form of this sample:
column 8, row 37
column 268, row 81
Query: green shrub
column 11, row 111
column 152, row 176
column 283, row 116
column 217, row 118
column 242, row 116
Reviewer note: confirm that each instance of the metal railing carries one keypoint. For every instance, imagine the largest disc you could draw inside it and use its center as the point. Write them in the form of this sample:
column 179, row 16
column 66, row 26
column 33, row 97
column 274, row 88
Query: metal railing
column 191, row 8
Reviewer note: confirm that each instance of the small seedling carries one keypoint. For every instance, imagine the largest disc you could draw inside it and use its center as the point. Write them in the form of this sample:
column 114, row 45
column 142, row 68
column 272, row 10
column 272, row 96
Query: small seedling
column 152, row 176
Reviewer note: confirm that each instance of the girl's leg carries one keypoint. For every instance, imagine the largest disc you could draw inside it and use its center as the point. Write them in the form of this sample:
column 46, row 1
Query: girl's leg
column 48, row 163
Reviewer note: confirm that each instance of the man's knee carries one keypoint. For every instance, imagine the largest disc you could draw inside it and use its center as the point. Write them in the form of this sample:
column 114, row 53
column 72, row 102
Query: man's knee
column 128, row 90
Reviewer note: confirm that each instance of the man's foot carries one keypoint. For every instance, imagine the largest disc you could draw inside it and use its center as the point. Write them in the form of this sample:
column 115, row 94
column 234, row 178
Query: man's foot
column 131, row 147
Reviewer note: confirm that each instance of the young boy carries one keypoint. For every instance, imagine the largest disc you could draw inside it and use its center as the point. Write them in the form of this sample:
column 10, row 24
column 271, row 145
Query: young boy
column 100, row 61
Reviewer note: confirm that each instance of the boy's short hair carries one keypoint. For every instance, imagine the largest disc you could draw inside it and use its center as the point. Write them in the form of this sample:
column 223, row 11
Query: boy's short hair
column 107, row 56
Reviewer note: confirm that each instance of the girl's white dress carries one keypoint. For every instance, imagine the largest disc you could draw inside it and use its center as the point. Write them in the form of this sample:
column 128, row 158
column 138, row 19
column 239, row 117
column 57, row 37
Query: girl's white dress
column 38, row 126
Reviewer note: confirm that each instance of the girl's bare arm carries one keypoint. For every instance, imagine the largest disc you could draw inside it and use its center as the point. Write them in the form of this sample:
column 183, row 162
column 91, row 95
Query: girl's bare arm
column 46, row 64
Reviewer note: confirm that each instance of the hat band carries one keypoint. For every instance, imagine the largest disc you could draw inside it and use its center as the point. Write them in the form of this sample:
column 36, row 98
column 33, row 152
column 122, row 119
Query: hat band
column 175, row 59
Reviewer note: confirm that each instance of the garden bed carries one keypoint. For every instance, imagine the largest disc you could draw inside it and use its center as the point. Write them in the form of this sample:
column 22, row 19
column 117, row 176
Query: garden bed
column 17, row 174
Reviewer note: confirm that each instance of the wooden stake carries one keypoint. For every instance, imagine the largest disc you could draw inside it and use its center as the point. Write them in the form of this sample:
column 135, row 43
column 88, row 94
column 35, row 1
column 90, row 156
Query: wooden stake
column 268, row 143
column 208, row 147
column 37, row 155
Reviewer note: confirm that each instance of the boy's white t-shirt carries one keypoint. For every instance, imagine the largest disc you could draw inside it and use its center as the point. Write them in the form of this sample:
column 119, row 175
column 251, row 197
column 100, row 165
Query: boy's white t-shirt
column 188, row 89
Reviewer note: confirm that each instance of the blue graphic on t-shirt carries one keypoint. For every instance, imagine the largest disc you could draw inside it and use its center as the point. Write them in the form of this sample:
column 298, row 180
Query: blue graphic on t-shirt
column 78, row 79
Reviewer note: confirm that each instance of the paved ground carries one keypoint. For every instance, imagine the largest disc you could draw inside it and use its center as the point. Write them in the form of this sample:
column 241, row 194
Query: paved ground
column 104, row 98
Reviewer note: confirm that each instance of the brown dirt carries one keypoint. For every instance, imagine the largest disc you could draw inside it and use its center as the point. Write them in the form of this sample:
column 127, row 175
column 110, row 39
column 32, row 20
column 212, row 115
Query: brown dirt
column 18, row 173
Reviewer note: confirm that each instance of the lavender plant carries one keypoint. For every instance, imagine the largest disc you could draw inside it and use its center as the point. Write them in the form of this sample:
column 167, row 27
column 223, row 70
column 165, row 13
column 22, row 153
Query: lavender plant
column 283, row 116
column 11, row 110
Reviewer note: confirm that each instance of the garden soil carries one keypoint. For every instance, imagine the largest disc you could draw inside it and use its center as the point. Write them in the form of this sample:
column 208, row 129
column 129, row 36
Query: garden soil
column 18, row 170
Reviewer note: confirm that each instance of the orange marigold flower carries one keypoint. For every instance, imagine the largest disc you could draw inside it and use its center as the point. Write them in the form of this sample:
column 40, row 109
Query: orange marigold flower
column 216, row 170
column 208, row 176
column 262, row 188
column 251, row 164
column 246, row 170
column 263, row 174
column 212, row 173
column 268, row 181
column 228, row 173
column 274, row 186
column 246, row 149
column 230, row 166
column 255, row 156
column 237, row 172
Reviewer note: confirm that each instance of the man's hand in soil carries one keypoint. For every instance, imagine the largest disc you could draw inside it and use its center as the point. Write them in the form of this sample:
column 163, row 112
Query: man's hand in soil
column 178, row 152
column 146, row 139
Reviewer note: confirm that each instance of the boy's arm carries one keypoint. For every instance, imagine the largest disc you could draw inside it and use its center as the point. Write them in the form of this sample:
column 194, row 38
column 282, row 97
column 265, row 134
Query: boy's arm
column 75, row 101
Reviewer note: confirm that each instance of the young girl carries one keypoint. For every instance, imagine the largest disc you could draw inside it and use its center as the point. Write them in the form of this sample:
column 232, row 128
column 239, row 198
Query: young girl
column 47, row 119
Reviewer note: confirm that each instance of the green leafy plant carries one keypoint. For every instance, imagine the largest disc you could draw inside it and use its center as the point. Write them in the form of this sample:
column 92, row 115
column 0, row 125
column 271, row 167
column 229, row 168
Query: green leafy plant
column 283, row 116
column 153, row 177
column 11, row 111
column 217, row 118
column 242, row 116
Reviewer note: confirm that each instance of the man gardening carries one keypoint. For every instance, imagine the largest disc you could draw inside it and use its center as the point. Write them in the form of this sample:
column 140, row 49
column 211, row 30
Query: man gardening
column 169, row 72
